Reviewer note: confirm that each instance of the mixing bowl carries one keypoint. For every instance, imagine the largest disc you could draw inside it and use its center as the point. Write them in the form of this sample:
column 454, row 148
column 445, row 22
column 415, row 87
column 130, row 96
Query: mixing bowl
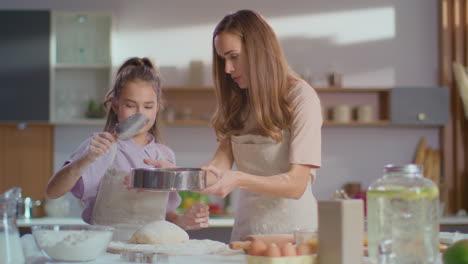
column 76, row 243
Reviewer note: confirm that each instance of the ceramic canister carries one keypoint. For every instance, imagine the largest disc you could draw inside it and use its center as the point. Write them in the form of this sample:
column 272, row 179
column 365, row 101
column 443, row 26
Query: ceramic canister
column 364, row 113
column 341, row 113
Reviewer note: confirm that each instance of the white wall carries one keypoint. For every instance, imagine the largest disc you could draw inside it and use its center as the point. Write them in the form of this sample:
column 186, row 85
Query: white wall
column 372, row 43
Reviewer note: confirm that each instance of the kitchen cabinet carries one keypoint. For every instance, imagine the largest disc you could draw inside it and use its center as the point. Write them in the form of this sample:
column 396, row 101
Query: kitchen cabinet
column 81, row 65
column 417, row 106
column 26, row 158
column 24, row 71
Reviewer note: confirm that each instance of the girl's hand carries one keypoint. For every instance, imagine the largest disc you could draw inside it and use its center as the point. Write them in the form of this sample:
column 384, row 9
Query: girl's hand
column 99, row 145
column 195, row 217
column 128, row 184
column 159, row 163
column 225, row 183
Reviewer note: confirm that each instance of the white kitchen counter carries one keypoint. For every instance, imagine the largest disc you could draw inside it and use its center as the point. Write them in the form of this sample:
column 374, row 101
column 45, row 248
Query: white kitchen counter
column 214, row 222
column 34, row 256
column 25, row 223
column 454, row 220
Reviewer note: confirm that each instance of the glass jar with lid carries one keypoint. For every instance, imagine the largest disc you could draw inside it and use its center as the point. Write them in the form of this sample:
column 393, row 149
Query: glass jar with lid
column 403, row 209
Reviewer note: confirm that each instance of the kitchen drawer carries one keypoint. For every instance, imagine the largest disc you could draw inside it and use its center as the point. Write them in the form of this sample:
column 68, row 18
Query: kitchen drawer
column 420, row 106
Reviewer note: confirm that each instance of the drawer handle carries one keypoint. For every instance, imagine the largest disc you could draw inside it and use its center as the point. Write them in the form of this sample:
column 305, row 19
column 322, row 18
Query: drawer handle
column 421, row 116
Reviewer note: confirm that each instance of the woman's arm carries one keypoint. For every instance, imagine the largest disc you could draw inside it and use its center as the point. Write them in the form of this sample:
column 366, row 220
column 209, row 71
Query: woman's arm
column 291, row 184
column 64, row 179
column 223, row 159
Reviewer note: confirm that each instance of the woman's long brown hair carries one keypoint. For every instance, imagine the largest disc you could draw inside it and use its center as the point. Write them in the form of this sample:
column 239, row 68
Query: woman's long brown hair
column 132, row 70
column 269, row 74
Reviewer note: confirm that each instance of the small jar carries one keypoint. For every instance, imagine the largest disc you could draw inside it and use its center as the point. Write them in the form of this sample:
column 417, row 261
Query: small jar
column 364, row 113
column 341, row 113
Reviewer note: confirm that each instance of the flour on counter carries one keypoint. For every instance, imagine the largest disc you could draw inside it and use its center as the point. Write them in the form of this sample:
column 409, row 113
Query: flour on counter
column 189, row 248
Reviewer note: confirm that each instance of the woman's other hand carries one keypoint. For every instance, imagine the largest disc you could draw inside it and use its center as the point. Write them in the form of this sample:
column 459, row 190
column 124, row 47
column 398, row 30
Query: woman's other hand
column 224, row 181
column 194, row 217
column 159, row 163
column 99, row 145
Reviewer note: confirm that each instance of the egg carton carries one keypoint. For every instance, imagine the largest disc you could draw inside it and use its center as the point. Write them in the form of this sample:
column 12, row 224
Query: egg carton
column 308, row 259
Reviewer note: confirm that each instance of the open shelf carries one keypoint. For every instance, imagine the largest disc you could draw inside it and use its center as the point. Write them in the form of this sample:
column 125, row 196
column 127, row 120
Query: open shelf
column 201, row 102
column 81, row 65
column 64, row 66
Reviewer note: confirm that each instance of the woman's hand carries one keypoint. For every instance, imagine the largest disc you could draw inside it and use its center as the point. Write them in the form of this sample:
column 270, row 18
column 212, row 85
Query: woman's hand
column 194, row 217
column 159, row 163
column 225, row 183
column 99, row 145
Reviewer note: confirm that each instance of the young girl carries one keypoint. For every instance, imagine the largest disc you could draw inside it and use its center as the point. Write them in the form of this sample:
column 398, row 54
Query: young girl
column 98, row 176
column 268, row 122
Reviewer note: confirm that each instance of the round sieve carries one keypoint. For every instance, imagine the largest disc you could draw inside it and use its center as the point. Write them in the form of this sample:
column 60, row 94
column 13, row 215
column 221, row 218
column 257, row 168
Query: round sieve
column 169, row 179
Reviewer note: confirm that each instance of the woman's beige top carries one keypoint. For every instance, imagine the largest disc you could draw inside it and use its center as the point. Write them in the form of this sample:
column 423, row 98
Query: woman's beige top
column 306, row 137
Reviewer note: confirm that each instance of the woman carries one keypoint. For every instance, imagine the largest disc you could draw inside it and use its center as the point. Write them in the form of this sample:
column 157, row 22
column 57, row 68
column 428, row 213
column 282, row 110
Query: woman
column 268, row 122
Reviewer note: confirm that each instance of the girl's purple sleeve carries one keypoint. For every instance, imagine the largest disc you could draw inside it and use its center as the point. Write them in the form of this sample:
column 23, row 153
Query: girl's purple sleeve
column 173, row 201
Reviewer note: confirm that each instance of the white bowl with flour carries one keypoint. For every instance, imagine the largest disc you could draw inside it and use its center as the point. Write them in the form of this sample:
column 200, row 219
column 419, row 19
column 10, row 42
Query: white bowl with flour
column 72, row 243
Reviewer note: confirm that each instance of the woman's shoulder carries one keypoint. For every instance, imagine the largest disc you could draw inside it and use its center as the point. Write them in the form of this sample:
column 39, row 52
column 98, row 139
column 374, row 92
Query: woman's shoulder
column 300, row 89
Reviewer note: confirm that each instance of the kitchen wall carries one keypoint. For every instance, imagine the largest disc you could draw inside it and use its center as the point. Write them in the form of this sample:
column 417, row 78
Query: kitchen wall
column 372, row 43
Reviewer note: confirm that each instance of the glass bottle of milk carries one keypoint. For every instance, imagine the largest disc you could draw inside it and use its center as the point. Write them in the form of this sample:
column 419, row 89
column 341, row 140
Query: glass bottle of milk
column 11, row 251
column 403, row 209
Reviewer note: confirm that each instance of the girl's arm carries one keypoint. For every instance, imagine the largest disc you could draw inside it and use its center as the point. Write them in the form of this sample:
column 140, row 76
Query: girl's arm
column 64, row 179
column 195, row 217
column 291, row 184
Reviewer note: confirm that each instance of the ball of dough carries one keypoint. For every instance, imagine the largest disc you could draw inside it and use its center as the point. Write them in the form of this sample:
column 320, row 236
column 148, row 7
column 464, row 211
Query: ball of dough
column 160, row 232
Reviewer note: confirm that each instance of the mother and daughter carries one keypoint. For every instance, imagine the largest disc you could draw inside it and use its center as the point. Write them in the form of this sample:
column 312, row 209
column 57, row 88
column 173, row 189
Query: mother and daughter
column 267, row 121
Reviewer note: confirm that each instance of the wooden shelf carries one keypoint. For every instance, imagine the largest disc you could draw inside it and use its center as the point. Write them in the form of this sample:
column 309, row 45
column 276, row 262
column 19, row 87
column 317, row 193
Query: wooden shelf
column 63, row 66
column 318, row 89
column 184, row 89
column 92, row 122
column 325, row 124
column 186, row 123
column 351, row 90
column 356, row 124
column 201, row 100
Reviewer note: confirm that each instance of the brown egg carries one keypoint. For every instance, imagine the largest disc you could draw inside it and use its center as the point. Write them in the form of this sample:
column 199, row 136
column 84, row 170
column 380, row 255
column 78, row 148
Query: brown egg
column 288, row 250
column 257, row 248
column 273, row 251
column 303, row 249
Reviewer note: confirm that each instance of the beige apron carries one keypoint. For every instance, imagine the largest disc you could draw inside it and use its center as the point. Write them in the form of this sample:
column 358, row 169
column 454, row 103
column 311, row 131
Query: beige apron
column 262, row 214
column 126, row 210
